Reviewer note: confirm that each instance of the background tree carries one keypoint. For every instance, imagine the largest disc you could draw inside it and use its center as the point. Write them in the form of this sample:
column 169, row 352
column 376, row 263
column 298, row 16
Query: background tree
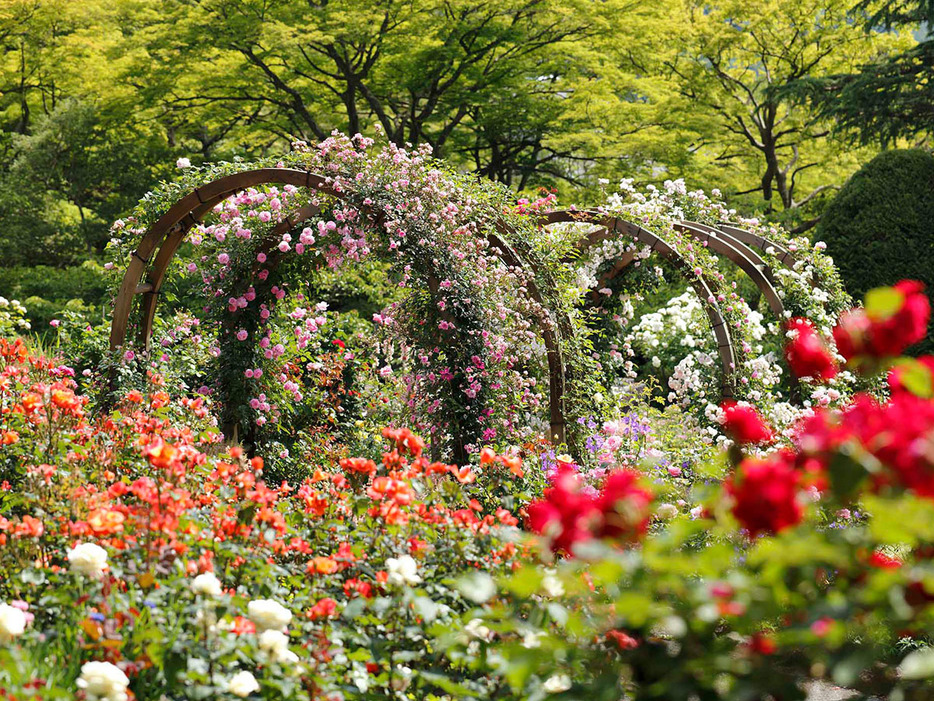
column 890, row 97
column 486, row 83
column 731, row 64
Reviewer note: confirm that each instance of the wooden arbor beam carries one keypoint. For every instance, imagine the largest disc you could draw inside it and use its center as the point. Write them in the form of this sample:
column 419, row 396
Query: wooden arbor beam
column 159, row 244
column 609, row 226
column 733, row 243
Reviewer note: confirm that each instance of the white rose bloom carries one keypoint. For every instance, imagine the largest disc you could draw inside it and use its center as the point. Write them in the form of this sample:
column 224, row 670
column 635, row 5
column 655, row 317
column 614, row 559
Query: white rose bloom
column 268, row 615
column 551, row 584
column 557, row 683
column 532, row 639
column 403, row 571
column 242, row 684
column 183, row 163
column 666, row 511
column 88, row 559
column 102, row 681
column 275, row 643
column 207, row 584
column 12, row 623
column 476, row 629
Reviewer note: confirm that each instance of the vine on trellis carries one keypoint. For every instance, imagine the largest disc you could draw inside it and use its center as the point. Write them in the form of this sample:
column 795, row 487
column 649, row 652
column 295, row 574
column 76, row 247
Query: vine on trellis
column 488, row 295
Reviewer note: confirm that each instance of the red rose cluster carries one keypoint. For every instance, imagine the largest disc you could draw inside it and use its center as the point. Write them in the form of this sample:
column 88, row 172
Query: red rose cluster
column 568, row 515
column 765, row 493
column 807, row 354
column 878, row 334
column 897, row 433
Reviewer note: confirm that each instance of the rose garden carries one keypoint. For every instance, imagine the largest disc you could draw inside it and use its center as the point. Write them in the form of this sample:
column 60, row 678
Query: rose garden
column 645, row 450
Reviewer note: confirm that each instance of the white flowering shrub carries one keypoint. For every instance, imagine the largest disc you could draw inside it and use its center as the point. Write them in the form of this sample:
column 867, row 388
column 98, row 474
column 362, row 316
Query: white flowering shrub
column 672, row 341
column 13, row 319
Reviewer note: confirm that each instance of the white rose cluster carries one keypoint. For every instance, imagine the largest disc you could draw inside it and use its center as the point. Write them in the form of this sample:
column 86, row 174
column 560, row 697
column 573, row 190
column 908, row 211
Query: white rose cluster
column 402, row 571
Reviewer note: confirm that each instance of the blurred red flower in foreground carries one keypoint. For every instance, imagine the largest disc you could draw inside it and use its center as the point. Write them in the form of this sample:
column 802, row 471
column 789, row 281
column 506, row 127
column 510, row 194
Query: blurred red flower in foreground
column 894, row 319
column 806, row 352
column 742, row 423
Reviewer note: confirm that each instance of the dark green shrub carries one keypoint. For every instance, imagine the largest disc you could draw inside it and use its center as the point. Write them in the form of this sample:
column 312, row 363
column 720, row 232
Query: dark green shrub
column 880, row 227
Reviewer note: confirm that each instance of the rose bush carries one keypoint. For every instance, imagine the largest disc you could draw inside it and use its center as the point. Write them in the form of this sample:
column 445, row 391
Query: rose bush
column 809, row 562
column 140, row 557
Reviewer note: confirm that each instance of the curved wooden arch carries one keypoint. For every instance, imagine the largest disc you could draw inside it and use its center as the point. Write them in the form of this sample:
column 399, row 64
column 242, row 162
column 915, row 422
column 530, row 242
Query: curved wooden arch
column 731, row 242
column 609, row 225
column 785, row 257
column 159, row 244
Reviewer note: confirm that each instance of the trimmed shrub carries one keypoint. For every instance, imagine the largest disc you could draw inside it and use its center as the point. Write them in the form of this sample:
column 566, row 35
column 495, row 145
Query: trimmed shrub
column 880, row 227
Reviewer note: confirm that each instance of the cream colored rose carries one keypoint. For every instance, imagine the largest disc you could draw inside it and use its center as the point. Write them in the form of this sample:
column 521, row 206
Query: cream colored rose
column 102, row 681
column 88, row 559
column 207, row 584
column 12, row 623
column 275, row 643
column 242, row 684
column 268, row 615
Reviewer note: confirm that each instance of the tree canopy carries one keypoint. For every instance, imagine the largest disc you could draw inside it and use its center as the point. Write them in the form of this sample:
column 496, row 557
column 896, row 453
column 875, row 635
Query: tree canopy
column 98, row 98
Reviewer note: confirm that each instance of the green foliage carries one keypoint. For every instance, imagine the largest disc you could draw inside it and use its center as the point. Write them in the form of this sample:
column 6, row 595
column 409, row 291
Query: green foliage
column 53, row 291
column 880, row 228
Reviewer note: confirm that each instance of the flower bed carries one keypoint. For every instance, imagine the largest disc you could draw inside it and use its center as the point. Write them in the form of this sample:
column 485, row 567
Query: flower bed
column 141, row 557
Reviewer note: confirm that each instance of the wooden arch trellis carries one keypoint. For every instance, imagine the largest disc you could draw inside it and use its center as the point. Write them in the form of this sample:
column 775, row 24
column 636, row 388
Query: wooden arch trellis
column 725, row 239
column 149, row 263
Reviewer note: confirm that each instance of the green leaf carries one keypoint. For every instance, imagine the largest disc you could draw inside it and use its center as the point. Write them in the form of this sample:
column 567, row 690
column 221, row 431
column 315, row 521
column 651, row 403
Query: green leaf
column 916, row 376
column 883, row 302
column 525, row 582
column 847, row 473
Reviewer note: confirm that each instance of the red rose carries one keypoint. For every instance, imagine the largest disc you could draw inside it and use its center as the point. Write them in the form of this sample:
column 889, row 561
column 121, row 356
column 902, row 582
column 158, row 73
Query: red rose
column 622, row 640
column 893, row 334
column 851, row 333
column 565, row 514
column 625, row 506
column 568, row 515
column 806, row 352
column 765, row 494
column 867, row 332
column 763, row 644
column 881, row 561
column 743, row 424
